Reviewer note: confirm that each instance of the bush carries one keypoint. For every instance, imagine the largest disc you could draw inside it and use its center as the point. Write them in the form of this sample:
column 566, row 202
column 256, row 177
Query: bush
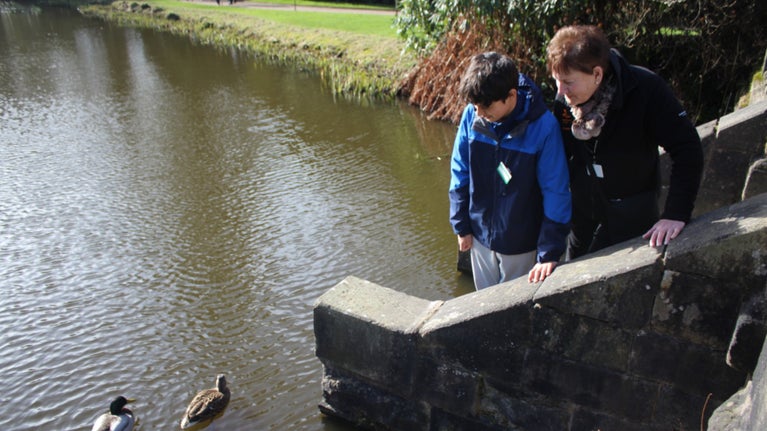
column 727, row 41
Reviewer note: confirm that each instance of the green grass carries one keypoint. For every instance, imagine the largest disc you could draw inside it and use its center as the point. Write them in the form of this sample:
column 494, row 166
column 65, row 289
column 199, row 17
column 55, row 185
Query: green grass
column 673, row 31
column 359, row 23
column 322, row 4
column 374, row 25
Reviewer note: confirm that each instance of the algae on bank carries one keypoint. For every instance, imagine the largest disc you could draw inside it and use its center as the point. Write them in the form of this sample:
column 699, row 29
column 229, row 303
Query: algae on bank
column 352, row 65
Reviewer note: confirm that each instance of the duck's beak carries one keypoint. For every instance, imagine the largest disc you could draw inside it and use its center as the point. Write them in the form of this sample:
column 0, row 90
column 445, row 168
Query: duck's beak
column 130, row 400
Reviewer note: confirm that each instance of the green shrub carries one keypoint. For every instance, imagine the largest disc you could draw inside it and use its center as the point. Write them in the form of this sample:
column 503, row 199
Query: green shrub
column 707, row 50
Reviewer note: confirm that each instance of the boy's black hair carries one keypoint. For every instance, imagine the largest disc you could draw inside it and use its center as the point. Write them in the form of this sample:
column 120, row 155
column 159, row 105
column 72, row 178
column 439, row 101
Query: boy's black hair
column 489, row 77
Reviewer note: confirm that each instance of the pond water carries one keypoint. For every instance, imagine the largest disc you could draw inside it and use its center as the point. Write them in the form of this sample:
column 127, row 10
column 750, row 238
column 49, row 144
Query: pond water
column 171, row 211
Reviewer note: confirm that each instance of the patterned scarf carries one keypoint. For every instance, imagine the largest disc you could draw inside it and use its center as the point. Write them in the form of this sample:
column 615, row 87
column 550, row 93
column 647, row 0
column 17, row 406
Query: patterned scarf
column 589, row 117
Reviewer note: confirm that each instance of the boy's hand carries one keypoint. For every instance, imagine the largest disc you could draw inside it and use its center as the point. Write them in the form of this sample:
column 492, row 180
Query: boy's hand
column 464, row 242
column 540, row 271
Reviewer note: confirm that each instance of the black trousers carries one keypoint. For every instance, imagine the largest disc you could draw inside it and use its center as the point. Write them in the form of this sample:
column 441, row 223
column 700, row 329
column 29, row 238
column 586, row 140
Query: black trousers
column 598, row 223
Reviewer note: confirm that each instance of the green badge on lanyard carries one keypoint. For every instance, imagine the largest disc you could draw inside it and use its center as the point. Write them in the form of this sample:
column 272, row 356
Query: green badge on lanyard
column 504, row 172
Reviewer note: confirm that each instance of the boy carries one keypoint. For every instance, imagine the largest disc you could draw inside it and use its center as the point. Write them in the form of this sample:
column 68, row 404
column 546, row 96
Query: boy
column 509, row 189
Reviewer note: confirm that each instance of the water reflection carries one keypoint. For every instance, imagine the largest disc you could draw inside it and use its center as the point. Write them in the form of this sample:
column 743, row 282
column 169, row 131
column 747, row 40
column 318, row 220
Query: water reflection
column 169, row 212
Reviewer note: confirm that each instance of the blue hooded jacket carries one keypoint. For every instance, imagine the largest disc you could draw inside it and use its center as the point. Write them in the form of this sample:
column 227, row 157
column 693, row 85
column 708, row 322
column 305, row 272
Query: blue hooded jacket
column 530, row 212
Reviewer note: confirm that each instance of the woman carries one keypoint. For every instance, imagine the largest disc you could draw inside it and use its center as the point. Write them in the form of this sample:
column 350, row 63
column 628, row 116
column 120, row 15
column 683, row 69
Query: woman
column 614, row 116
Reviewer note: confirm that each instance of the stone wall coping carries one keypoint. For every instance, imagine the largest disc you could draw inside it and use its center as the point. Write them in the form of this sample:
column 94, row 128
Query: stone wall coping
column 599, row 266
column 498, row 298
column 719, row 225
column 407, row 314
column 743, row 115
column 381, row 306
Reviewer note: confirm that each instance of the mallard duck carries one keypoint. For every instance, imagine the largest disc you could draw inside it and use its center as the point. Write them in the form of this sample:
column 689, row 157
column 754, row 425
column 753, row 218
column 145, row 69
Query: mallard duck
column 207, row 404
column 119, row 418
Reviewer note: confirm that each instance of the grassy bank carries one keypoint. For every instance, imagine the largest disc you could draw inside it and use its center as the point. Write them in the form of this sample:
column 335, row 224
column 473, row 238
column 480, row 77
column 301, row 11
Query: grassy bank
column 357, row 54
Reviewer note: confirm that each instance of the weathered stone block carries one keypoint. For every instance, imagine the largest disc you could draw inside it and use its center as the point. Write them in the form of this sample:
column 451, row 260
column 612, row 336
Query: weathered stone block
column 739, row 141
column 588, row 386
column 680, row 410
column 616, row 284
column 580, row 338
column 514, row 413
column 744, row 348
column 707, row 133
column 651, row 349
column 370, row 330
column 706, row 201
column 476, row 329
column 726, row 244
column 684, row 364
column 711, row 197
column 748, row 336
column 369, row 407
column 721, row 380
column 744, row 130
column 697, row 308
column 447, row 387
column 588, row 420
column 725, row 175
column 516, row 294
column 445, row 421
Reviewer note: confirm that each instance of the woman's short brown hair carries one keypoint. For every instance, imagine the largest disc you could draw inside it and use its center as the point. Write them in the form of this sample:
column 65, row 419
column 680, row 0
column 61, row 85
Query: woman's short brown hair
column 579, row 48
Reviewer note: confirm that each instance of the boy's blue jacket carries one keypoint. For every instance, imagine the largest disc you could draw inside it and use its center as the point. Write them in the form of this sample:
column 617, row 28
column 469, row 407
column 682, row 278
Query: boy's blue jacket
column 532, row 211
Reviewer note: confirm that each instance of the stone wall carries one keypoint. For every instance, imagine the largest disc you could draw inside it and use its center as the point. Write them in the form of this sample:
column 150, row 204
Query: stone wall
column 629, row 338
column 735, row 158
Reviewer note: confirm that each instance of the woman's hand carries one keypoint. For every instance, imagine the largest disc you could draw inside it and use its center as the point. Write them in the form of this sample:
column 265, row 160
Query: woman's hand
column 663, row 232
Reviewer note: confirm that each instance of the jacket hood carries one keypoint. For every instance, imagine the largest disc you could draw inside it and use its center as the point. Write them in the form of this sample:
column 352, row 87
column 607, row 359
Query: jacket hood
column 529, row 99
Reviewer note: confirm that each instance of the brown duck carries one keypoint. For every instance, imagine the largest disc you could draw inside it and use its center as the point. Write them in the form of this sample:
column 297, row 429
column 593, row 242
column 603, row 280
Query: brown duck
column 207, row 405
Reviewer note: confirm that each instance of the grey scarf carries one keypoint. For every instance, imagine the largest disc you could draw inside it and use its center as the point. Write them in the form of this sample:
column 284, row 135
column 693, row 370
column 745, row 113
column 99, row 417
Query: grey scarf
column 589, row 117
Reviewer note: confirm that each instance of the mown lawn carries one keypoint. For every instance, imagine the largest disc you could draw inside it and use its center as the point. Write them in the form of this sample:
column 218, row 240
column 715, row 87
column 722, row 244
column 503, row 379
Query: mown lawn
column 360, row 23
column 338, row 5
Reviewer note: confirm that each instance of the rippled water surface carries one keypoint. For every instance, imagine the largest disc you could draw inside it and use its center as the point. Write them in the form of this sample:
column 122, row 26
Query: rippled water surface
column 170, row 211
